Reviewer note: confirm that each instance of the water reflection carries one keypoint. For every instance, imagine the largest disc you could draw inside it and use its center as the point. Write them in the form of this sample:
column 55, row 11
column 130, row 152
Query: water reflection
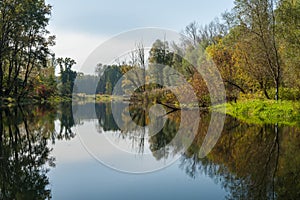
column 65, row 116
column 25, row 155
column 106, row 121
column 249, row 161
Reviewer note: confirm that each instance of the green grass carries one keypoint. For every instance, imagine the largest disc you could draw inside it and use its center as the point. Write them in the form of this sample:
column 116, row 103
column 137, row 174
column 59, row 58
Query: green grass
column 108, row 98
column 263, row 111
column 58, row 99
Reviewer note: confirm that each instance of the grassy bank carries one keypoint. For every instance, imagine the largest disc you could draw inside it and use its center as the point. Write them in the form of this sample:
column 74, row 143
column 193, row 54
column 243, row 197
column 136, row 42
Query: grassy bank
column 264, row 111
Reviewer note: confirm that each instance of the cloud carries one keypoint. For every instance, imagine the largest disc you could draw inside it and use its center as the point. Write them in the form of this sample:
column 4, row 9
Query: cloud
column 76, row 45
column 81, row 26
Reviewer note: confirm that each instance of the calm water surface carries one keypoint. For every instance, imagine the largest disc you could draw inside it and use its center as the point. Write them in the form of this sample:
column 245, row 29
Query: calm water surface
column 42, row 155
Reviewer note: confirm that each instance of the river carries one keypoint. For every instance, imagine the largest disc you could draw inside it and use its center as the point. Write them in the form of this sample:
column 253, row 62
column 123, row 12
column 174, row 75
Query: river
column 83, row 151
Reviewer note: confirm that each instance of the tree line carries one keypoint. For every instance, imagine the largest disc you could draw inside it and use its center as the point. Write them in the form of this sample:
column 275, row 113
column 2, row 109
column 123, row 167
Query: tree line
column 255, row 46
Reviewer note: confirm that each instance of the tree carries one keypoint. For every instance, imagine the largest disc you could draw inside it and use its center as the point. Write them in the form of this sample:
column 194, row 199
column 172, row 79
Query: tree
column 86, row 84
column 288, row 24
column 160, row 57
column 241, row 61
column 108, row 79
column 45, row 83
column 224, row 59
column 67, row 76
column 24, row 46
column 204, row 36
column 257, row 18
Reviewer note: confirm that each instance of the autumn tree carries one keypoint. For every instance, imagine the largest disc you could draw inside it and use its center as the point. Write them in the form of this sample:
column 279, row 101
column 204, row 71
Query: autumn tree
column 258, row 22
column 224, row 59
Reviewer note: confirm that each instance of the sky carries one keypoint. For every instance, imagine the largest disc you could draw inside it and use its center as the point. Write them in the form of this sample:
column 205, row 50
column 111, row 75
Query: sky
column 81, row 26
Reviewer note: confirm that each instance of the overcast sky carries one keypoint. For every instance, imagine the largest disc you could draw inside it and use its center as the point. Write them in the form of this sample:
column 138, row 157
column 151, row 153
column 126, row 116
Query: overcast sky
column 82, row 25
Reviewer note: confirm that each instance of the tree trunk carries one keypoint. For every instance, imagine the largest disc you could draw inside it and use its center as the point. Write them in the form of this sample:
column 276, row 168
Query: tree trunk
column 277, row 91
column 1, row 80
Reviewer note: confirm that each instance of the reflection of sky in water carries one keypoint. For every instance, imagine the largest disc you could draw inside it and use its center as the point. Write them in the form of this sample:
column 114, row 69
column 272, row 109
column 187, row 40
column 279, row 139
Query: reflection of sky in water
column 77, row 175
column 250, row 161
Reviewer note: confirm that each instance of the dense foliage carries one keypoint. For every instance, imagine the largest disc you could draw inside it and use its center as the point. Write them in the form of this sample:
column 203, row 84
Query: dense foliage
column 259, row 53
column 24, row 46
column 27, row 66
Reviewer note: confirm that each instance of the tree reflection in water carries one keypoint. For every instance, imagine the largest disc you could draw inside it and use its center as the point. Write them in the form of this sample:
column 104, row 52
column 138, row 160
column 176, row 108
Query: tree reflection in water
column 24, row 151
column 249, row 161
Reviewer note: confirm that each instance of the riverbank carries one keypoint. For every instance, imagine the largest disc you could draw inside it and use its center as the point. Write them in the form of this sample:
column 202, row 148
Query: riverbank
column 255, row 111
column 258, row 111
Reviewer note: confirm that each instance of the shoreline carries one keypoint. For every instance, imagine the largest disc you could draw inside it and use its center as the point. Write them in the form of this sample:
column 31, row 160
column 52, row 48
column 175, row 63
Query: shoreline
column 254, row 111
column 257, row 111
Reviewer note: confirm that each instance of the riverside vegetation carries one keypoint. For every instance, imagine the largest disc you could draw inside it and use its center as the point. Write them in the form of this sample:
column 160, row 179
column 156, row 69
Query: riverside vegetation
column 255, row 47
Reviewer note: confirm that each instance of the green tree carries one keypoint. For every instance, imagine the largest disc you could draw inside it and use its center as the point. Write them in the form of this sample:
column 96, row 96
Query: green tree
column 288, row 17
column 86, row 84
column 160, row 57
column 258, row 21
column 109, row 77
column 67, row 76
column 24, row 46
